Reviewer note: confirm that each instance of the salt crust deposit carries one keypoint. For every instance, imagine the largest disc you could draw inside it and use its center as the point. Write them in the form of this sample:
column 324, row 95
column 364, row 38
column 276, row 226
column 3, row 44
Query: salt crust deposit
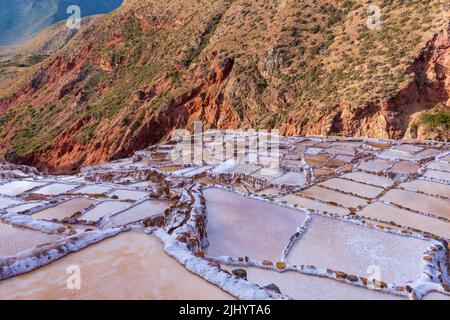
column 281, row 209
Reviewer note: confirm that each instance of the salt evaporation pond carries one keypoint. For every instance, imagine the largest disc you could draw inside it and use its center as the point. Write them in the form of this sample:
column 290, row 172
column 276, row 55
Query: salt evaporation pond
column 384, row 212
column 14, row 240
column 359, row 189
column 65, row 209
column 239, row 226
column 333, row 197
column 94, row 189
column 306, row 287
column 368, row 178
column 405, row 167
column 141, row 211
column 15, row 188
column 104, row 209
column 429, row 187
column 56, row 189
column 128, row 266
column 124, row 194
column 375, row 165
column 358, row 250
column 313, row 205
column 419, row 202
column 291, row 178
column 24, row 207
column 7, row 202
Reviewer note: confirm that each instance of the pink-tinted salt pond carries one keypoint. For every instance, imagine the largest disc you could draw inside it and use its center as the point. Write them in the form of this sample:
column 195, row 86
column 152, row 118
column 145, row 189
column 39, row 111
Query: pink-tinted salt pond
column 128, row 266
column 15, row 188
column 239, row 226
column 14, row 240
column 141, row 211
column 333, row 197
column 103, row 209
column 305, row 287
column 301, row 202
column 419, row 202
column 387, row 213
column 65, row 209
column 360, row 251
column 356, row 188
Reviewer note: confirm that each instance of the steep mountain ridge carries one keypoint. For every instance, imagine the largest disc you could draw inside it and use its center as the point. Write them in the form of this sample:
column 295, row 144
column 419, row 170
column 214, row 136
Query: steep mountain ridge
column 21, row 20
column 313, row 67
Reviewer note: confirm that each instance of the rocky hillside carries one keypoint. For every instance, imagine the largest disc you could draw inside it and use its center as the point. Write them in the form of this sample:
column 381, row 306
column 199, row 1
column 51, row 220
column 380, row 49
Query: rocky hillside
column 305, row 67
column 20, row 20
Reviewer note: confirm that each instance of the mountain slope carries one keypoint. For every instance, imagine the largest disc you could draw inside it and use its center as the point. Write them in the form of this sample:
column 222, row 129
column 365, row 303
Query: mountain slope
column 20, row 20
column 310, row 67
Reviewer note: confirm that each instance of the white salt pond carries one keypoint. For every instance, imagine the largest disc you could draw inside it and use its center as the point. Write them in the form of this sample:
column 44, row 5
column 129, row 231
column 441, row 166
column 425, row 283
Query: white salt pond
column 127, row 266
column 93, row 189
column 418, row 202
column 375, row 165
column 429, row 187
column 438, row 175
column 443, row 166
column 65, row 209
column 123, row 194
column 306, row 287
column 56, row 189
column 14, row 240
column 17, row 187
column 384, row 212
column 106, row 208
column 7, row 202
column 239, row 226
column 141, row 211
column 291, row 178
column 369, row 179
column 313, row 205
column 333, row 197
column 359, row 189
column 24, row 207
column 358, row 250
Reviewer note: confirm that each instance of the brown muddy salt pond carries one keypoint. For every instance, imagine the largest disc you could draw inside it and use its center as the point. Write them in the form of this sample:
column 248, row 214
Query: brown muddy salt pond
column 128, row 266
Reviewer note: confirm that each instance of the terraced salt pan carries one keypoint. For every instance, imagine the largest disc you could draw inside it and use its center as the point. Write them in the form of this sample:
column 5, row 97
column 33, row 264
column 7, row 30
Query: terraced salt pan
column 291, row 178
column 332, row 197
column 104, row 209
column 24, row 207
column 439, row 166
column 239, row 226
column 384, row 212
column 360, row 189
column 142, row 211
column 268, row 191
column 437, row 175
column 405, row 167
column 398, row 155
column 123, row 194
column 93, row 189
column 269, row 173
column 429, row 187
column 7, row 202
column 17, row 187
column 64, row 210
column 306, row 287
column 313, row 205
column 55, row 189
column 409, row 148
column 418, row 202
column 358, row 250
column 369, row 179
column 246, row 169
column 14, row 240
column 375, row 165
column 127, row 266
